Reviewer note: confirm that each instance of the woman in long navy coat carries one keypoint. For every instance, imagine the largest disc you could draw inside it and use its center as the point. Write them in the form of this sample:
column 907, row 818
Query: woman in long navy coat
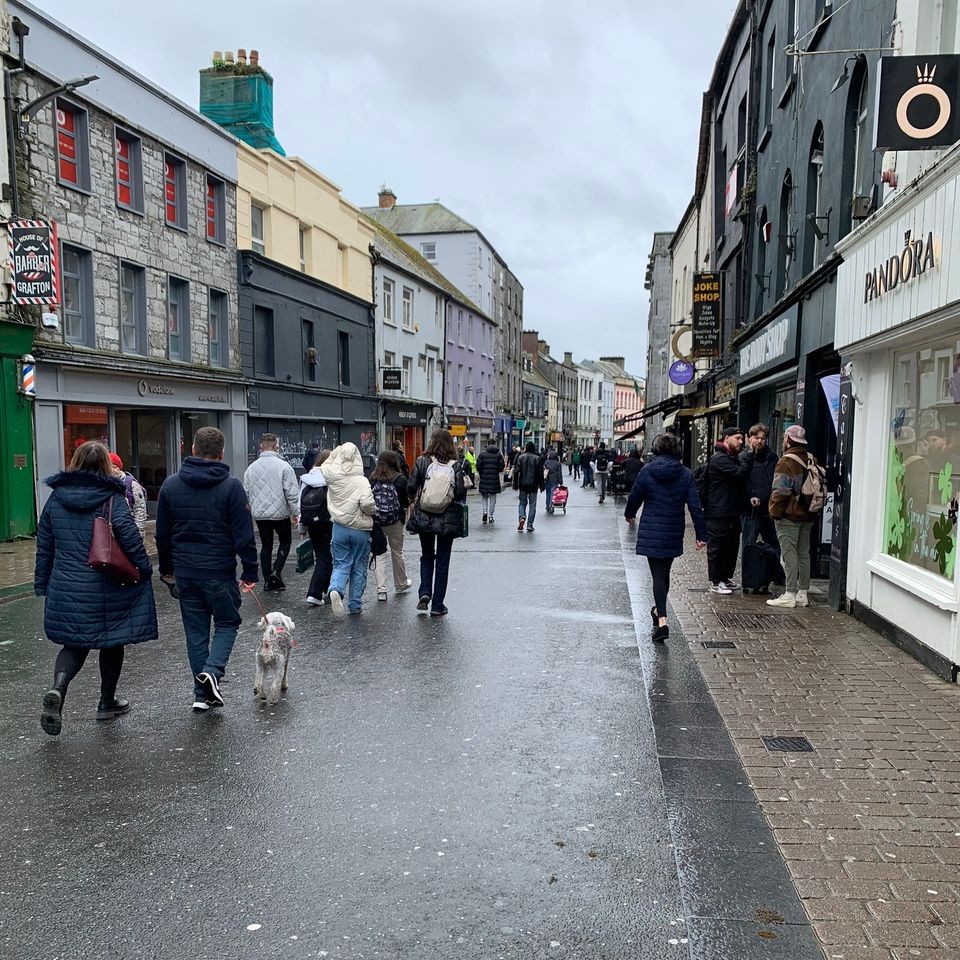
column 664, row 488
column 84, row 609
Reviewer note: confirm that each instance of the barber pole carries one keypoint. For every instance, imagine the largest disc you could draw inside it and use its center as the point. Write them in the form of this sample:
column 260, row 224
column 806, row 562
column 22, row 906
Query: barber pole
column 28, row 377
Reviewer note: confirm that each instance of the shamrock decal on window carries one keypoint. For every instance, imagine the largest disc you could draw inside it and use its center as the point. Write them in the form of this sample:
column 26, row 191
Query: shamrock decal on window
column 945, row 483
column 944, row 544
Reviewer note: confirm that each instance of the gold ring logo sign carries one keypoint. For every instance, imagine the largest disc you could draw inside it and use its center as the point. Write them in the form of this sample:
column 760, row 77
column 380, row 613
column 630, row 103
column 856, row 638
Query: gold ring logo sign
column 675, row 343
column 925, row 87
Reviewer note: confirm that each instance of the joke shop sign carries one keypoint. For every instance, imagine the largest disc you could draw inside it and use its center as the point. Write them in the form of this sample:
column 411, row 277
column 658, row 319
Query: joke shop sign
column 33, row 257
column 920, row 253
column 918, row 102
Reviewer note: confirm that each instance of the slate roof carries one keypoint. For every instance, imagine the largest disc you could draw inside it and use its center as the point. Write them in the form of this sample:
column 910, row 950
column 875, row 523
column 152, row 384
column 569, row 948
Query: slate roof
column 412, row 218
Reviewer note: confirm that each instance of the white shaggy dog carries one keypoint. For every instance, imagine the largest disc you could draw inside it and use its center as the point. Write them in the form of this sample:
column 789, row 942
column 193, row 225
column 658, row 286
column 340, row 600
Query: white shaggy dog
column 273, row 656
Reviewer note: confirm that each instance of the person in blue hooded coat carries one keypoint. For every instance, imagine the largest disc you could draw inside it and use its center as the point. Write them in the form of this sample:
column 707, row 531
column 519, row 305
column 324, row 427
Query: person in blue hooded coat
column 664, row 488
column 86, row 610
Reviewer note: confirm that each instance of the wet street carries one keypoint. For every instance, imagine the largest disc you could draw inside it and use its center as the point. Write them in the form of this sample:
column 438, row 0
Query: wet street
column 492, row 784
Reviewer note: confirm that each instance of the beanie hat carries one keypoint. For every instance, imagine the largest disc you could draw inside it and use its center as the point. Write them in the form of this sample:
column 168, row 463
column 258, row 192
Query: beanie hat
column 116, row 461
column 733, row 432
column 796, row 434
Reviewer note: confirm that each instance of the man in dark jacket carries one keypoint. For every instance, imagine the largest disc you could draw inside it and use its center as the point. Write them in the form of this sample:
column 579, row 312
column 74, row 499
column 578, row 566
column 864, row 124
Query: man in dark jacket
column 203, row 525
column 528, row 479
column 759, row 485
column 489, row 470
column 726, row 500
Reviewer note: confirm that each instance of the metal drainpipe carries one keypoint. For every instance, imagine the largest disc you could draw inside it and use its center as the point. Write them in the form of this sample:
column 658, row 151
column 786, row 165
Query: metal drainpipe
column 11, row 130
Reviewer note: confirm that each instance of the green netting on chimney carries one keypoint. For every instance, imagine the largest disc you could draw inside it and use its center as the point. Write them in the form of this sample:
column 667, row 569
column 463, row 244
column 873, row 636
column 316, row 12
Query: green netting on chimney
column 241, row 104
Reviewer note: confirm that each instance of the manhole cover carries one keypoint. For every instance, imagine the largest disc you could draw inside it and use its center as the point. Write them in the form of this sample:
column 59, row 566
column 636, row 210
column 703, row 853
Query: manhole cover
column 788, row 744
column 761, row 622
column 719, row 645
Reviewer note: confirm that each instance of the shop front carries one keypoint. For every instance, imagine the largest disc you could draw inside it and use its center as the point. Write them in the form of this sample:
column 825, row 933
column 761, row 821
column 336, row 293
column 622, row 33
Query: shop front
column 406, row 425
column 898, row 331
column 477, row 431
column 149, row 421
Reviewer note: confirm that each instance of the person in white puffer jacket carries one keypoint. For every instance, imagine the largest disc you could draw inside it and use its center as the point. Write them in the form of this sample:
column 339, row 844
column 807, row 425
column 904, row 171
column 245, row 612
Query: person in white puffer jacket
column 351, row 506
column 274, row 495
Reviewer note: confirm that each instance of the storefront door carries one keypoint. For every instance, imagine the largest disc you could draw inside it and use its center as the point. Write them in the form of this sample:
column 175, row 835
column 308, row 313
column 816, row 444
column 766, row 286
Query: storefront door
column 190, row 423
column 143, row 442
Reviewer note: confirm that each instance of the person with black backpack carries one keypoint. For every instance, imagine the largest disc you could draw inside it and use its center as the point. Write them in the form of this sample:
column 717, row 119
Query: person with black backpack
column 390, row 495
column 601, row 468
column 315, row 519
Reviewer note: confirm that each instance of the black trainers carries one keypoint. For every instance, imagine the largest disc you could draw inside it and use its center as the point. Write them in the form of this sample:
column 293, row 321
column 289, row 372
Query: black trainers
column 114, row 707
column 211, row 688
column 423, row 603
column 483, row 519
column 439, row 612
column 278, row 583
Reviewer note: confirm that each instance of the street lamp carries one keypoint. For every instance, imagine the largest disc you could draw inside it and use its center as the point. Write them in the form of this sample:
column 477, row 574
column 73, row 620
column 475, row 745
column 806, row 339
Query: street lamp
column 27, row 113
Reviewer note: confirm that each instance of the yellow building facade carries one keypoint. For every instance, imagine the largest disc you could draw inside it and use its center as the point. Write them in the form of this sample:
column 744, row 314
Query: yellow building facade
column 291, row 213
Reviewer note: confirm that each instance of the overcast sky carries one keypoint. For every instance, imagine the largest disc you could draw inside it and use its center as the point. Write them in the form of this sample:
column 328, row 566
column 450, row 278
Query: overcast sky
column 565, row 131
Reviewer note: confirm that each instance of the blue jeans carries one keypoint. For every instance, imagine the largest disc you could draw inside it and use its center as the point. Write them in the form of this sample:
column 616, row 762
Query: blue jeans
column 550, row 488
column 587, row 475
column 200, row 602
column 435, row 566
column 528, row 506
column 351, row 553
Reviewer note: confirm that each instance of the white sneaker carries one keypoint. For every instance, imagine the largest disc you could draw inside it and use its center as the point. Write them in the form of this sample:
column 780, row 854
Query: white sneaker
column 336, row 603
column 802, row 599
column 382, row 595
column 316, row 602
column 404, row 587
column 721, row 588
column 200, row 706
column 784, row 600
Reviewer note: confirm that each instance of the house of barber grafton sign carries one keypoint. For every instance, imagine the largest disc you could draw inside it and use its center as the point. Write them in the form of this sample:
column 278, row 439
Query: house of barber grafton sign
column 917, row 257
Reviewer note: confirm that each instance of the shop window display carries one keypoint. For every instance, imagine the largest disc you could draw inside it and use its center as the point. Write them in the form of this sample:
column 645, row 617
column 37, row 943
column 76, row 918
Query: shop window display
column 923, row 461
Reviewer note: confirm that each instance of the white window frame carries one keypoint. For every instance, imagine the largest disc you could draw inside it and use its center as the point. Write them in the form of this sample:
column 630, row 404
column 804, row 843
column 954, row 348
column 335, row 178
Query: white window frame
column 406, row 307
column 428, row 250
column 389, row 290
column 258, row 241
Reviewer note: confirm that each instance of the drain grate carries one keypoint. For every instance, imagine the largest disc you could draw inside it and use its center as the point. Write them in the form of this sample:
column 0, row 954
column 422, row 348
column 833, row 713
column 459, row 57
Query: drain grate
column 719, row 645
column 788, row 744
column 761, row 622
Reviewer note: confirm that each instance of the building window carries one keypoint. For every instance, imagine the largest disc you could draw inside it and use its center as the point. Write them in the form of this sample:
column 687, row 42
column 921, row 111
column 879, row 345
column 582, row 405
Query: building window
column 175, row 191
column 308, row 342
column 470, row 331
column 217, row 314
column 786, row 238
column 73, row 146
column 923, row 472
column 431, row 374
column 407, row 375
column 256, row 230
column 78, row 319
column 133, row 308
column 178, row 319
column 389, row 359
column 129, row 169
column 388, row 301
column 216, row 214
column 436, row 312
column 428, row 251
column 459, row 384
column 816, row 230
column 460, row 327
column 264, row 353
column 304, row 242
column 407, row 308
column 343, row 355
column 343, row 266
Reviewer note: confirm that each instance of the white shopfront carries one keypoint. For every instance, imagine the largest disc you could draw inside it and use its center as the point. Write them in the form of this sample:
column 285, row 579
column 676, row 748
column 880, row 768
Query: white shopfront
column 898, row 326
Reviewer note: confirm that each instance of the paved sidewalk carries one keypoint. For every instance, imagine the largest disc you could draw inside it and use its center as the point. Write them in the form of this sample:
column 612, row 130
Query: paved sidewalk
column 869, row 822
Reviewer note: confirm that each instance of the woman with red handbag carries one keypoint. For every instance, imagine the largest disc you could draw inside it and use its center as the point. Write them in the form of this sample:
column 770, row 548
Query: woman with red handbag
column 95, row 574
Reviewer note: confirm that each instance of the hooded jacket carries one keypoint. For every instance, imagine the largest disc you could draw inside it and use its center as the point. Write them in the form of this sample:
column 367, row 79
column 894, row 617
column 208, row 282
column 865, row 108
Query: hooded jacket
column 349, row 497
column 787, row 482
column 489, row 469
column 203, row 524
column 314, row 479
column 85, row 608
column 553, row 469
column 663, row 488
column 271, row 486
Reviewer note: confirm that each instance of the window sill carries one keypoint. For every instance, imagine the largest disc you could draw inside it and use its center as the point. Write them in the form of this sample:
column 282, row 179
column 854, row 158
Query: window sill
column 927, row 586
column 390, row 323
column 123, row 206
column 215, row 242
column 409, row 330
column 764, row 138
column 787, row 92
column 176, row 226
column 75, row 187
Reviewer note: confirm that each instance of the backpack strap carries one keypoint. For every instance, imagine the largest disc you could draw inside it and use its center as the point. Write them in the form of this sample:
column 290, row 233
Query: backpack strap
column 803, row 463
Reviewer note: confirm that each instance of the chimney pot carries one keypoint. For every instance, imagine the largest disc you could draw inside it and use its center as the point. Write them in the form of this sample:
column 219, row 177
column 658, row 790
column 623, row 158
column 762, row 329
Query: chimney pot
column 241, row 55
column 254, row 58
column 228, row 56
column 217, row 54
column 387, row 198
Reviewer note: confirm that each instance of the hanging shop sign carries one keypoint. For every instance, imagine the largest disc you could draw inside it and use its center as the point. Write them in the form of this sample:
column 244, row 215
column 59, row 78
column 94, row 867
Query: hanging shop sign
column 918, row 256
column 681, row 372
column 776, row 344
column 392, row 378
column 918, row 102
column 707, row 315
column 33, row 256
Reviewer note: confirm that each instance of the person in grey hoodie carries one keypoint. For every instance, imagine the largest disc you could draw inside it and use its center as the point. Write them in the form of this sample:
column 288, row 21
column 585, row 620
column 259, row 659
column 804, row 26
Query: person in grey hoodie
column 273, row 492
column 552, row 476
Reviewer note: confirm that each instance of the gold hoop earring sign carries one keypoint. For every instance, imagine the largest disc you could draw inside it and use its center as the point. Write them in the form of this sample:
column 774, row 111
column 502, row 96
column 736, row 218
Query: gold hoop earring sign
column 924, row 90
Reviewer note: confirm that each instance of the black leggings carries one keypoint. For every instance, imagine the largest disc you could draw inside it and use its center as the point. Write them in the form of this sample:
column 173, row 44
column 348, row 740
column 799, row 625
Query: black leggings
column 71, row 659
column 284, row 532
column 660, row 572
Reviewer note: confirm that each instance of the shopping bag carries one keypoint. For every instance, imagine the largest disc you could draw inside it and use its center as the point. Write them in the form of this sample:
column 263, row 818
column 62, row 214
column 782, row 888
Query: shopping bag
column 305, row 556
column 464, row 521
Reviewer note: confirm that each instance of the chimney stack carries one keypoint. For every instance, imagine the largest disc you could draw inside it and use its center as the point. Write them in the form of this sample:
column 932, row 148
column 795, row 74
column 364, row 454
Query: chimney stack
column 618, row 361
column 543, row 346
column 388, row 199
column 254, row 58
column 568, row 358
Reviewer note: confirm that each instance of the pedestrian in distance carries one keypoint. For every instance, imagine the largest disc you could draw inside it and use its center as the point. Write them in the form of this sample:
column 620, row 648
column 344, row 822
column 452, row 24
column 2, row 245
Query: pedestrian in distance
column 528, row 480
column 398, row 450
column 632, row 466
column 470, row 456
column 203, row 526
column 794, row 512
column 586, row 464
column 601, row 467
column 723, row 490
column 489, row 470
column 568, row 461
column 664, row 488
column 84, row 608
column 136, row 496
column 575, row 460
column 352, row 508
column 757, row 522
column 272, row 489
column 310, row 457
column 552, row 476
column 438, row 494
column 315, row 520
column 390, row 495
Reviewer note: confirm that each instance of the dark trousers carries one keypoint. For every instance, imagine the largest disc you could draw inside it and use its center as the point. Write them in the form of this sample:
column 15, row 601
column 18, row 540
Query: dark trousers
column 71, row 659
column 435, row 566
column 660, row 574
column 284, row 532
column 723, row 547
column 320, row 534
column 200, row 602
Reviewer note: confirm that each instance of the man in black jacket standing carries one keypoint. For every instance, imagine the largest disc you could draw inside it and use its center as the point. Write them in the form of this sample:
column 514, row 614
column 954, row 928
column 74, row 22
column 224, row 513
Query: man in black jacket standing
column 528, row 479
column 725, row 503
column 759, row 487
column 203, row 525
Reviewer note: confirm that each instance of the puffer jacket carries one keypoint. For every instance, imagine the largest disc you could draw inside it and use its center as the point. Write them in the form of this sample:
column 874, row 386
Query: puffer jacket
column 553, row 469
column 443, row 524
column 203, row 524
column 788, row 478
column 663, row 488
column 84, row 608
column 271, row 485
column 489, row 469
column 349, row 497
